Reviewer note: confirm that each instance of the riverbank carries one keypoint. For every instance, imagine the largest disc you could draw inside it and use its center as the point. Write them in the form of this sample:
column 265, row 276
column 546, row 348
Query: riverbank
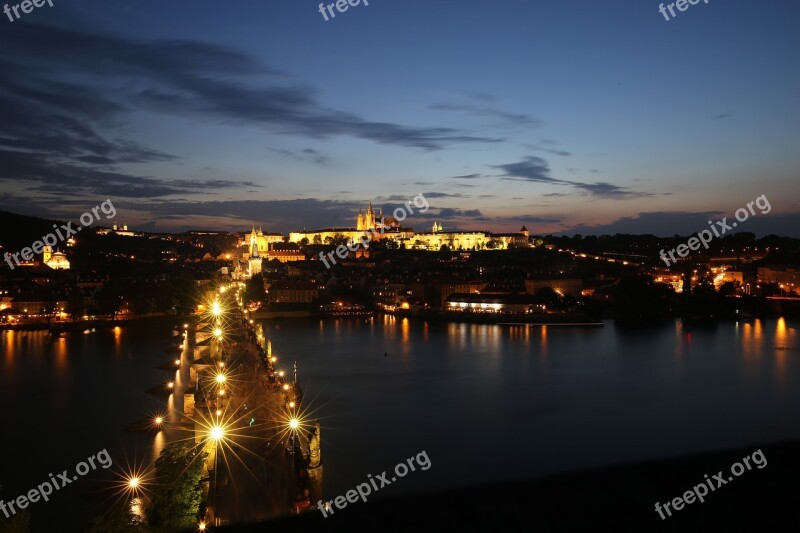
column 620, row 498
column 81, row 325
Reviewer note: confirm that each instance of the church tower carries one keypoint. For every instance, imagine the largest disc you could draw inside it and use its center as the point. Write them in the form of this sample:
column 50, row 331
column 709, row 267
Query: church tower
column 255, row 259
column 360, row 221
column 47, row 253
column 369, row 218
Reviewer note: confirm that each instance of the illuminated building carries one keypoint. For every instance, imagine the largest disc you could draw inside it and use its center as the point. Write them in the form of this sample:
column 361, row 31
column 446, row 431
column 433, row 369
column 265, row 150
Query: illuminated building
column 55, row 260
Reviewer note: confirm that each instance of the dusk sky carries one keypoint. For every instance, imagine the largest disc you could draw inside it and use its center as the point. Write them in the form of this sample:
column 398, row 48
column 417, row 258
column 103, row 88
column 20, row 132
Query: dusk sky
column 565, row 116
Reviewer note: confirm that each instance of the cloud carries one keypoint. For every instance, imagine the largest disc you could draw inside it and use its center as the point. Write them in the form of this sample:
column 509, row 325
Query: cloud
column 400, row 198
column 719, row 117
column 669, row 223
column 546, row 145
column 467, row 177
column 64, row 90
column 520, row 119
column 444, row 195
column 537, row 170
column 531, row 168
column 56, row 179
column 307, row 154
column 602, row 189
column 192, row 79
column 450, row 213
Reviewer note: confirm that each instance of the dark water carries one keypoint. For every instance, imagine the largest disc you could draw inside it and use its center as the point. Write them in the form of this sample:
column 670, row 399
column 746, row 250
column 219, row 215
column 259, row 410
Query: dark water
column 498, row 402
column 485, row 402
column 69, row 398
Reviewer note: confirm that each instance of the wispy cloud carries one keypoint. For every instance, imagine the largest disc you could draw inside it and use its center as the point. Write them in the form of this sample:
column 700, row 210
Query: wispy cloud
column 482, row 110
column 64, row 90
column 548, row 146
column 307, row 154
column 468, row 177
column 537, row 170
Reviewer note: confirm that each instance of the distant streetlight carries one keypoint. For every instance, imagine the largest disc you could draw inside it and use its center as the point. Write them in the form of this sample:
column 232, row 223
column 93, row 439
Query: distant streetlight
column 217, row 433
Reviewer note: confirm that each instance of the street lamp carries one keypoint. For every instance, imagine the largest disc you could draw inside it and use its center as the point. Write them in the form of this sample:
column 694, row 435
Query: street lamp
column 217, row 433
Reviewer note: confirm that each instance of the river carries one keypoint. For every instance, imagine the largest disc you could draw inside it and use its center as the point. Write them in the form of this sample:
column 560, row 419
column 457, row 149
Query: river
column 485, row 402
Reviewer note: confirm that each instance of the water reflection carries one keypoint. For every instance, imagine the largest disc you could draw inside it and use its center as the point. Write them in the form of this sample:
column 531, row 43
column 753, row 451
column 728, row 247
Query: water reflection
column 755, row 346
column 10, row 340
column 61, row 359
column 159, row 443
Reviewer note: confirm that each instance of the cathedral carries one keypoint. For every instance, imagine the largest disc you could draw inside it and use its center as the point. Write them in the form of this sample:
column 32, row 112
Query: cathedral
column 261, row 239
column 368, row 221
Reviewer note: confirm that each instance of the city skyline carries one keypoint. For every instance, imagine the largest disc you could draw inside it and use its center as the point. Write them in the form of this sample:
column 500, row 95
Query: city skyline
column 604, row 119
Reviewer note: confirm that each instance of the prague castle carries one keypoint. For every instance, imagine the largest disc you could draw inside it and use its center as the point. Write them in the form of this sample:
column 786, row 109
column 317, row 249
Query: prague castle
column 378, row 227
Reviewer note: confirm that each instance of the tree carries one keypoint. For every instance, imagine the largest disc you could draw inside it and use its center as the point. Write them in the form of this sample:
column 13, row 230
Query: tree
column 339, row 240
column 20, row 522
column 728, row 288
column 177, row 492
column 254, row 289
column 75, row 307
column 548, row 297
column 118, row 519
column 317, row 239
column 304, row 241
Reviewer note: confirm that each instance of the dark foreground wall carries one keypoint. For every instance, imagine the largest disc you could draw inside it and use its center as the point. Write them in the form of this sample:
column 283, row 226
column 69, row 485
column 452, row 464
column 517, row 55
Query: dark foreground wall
column 610, row 499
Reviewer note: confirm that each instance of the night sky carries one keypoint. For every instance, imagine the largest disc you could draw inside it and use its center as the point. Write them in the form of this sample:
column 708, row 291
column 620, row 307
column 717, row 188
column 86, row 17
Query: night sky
column 566, row 116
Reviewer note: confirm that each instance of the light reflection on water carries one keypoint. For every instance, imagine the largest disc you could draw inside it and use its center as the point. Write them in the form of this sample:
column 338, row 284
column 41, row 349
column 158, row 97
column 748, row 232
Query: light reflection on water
column 569, row 397
column 473, row 395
